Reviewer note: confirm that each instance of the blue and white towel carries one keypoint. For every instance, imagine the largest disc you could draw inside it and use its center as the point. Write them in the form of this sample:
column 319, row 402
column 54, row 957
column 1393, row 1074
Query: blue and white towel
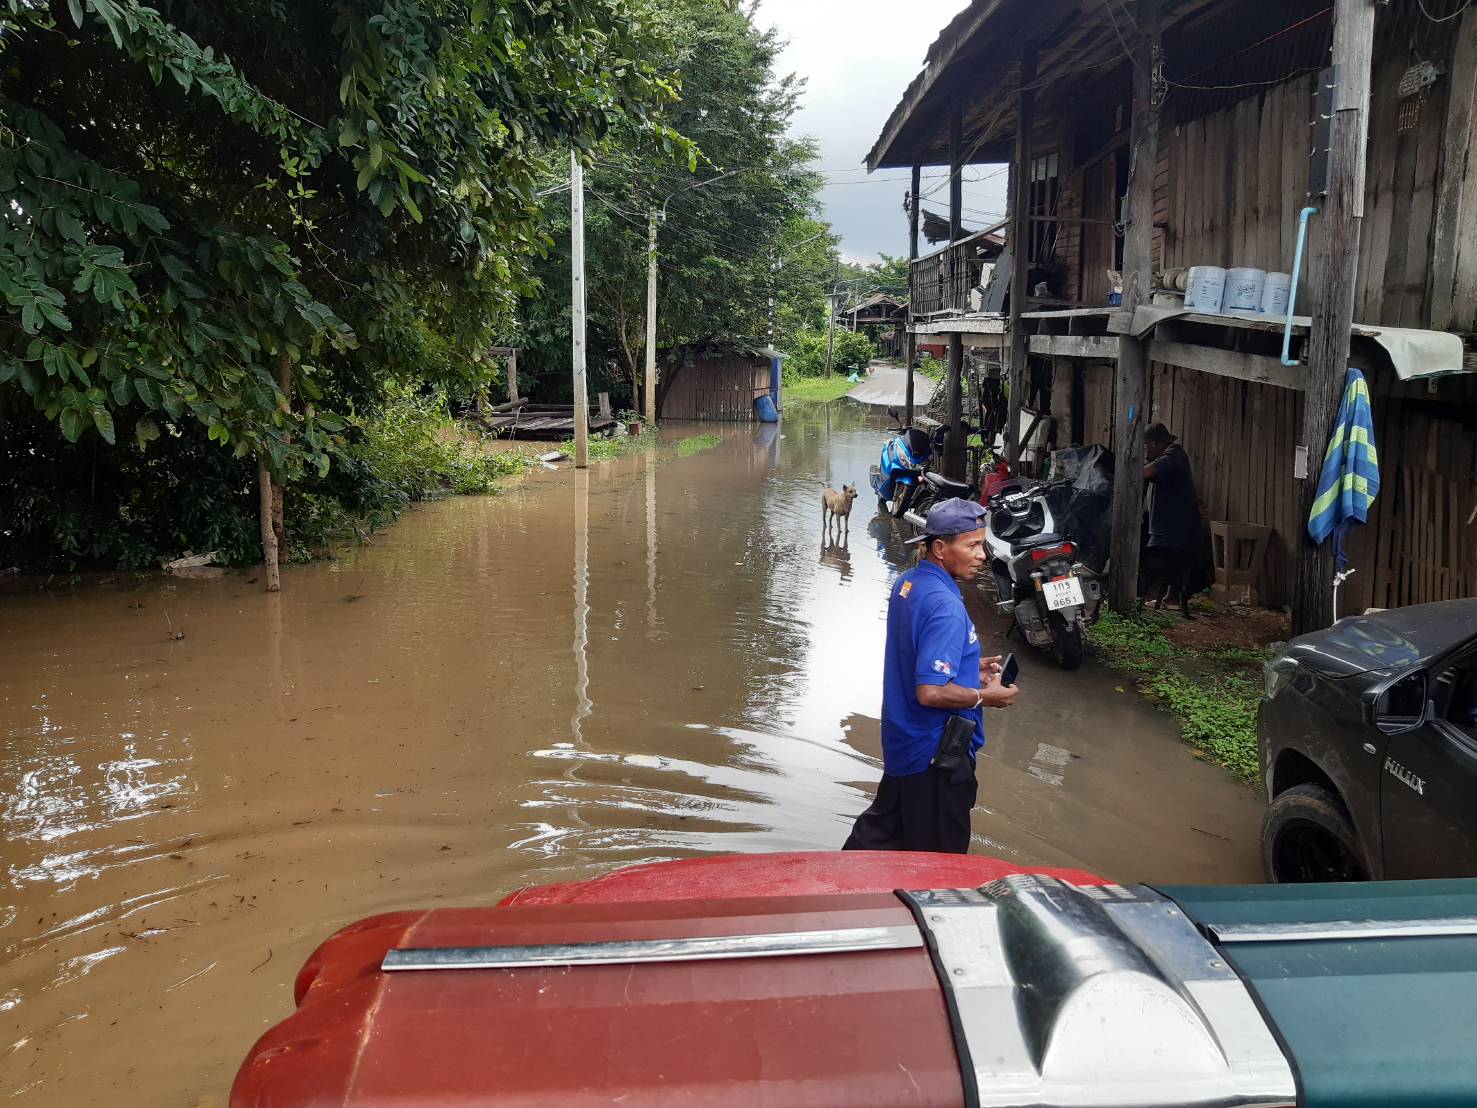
column 1350, row 479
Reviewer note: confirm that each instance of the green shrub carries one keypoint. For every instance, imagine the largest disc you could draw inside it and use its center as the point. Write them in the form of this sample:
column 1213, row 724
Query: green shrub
column 407, row 451
column 931, row 367
column 412, row 445
column 808, row 353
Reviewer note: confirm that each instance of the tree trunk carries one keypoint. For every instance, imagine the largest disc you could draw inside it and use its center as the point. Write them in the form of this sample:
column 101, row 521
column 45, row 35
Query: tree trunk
column 269, row 533
column 284, row 382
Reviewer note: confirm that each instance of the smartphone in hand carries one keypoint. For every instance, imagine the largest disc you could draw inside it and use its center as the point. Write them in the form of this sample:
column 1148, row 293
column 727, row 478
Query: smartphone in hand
column 1009, row 671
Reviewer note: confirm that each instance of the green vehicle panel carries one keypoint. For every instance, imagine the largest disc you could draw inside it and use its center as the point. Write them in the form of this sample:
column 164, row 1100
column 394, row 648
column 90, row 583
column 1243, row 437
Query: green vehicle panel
column 1381, row 1015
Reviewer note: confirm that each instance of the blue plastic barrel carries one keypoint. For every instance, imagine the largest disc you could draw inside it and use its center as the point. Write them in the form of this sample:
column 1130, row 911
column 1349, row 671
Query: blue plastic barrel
column 764, row 409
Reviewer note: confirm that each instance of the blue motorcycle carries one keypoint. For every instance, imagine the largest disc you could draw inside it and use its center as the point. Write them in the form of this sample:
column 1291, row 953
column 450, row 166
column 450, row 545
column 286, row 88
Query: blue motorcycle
column 904, row 466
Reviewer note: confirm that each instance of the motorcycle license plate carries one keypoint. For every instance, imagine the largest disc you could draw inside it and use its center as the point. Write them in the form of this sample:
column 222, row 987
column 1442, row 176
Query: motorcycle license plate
column 1064, row 592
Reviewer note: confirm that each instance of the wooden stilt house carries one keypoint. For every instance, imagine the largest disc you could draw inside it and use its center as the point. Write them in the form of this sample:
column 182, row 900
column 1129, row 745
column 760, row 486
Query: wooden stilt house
column 1148, row 136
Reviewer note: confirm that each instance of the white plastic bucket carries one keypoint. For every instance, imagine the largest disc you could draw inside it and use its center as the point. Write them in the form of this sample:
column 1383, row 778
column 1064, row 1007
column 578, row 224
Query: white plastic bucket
column 1206, row 286
column 1276, row 293
column 1244, row 290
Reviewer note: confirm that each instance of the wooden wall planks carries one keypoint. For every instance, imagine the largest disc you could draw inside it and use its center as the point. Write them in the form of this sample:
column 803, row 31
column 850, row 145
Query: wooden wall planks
column 1230, row 186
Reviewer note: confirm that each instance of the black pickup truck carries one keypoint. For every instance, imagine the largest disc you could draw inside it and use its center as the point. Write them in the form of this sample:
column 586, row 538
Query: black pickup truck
column 1368, row 736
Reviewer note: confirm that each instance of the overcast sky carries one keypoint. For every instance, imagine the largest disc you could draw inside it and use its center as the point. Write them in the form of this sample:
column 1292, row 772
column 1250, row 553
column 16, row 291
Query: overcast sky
column 858, row 57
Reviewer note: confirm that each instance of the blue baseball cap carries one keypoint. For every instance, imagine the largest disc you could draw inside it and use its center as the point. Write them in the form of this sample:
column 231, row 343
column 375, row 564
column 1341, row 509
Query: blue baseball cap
column 955, row 516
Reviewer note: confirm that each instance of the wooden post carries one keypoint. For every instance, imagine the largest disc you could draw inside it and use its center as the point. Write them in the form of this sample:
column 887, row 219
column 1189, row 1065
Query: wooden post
column 651, row 319
column 910, row 340
column 1020, row 252
column 1456, row 197
column 513, row 374
column 954, row 451
column 1334, row 268
column 577, row 291
column 956, row 177
column 1131, row 390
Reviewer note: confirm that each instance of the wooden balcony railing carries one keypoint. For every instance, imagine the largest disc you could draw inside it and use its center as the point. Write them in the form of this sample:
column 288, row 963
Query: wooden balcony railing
column 942, row 281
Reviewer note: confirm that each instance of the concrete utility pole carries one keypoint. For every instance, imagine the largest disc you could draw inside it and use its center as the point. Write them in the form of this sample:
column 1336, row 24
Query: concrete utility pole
column 577, row 290
column 1334, row 266
column 833, row 302
column 650, row 321
column 1138, row 279
column 774, row 269
column 652, row 217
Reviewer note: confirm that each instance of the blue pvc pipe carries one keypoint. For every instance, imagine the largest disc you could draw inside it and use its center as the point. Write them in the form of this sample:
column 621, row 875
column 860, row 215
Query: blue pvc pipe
column 1292, row 293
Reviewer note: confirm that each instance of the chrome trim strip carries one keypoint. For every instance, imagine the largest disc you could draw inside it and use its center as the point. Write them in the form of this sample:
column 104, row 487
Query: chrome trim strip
column 1344, row 930
column 778, row 945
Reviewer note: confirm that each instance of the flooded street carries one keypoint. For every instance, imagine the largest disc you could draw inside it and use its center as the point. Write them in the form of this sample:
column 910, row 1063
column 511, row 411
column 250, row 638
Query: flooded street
column 653, row 659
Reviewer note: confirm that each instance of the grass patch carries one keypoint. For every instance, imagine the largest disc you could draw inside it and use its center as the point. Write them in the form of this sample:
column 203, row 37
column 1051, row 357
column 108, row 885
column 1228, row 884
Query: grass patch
column 1132, row 643
column 1214, row 692
column 605, row 450
column 822, row 389
column 1218, row 716
column 696, row 444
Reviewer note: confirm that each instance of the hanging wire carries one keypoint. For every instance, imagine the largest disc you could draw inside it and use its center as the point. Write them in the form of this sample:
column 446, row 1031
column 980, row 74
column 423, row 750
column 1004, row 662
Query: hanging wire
column 1444, row 18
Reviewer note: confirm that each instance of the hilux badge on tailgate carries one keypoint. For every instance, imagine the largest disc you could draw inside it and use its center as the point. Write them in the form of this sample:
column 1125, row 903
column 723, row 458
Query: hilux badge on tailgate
column 1404, row 776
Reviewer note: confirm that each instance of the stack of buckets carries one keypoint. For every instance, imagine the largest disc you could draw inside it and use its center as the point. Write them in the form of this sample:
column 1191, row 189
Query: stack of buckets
column 1218, row 291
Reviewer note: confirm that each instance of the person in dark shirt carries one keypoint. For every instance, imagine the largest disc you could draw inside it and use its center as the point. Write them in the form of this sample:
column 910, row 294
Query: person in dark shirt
column 1174, row 517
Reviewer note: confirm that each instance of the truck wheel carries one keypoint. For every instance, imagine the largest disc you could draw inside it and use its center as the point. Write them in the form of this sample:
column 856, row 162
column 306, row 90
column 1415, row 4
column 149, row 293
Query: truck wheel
column 1066, row 639
column 1307, row 836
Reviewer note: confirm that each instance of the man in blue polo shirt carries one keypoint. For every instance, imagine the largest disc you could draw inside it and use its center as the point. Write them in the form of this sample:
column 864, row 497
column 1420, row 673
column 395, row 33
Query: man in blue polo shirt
column 932, row 672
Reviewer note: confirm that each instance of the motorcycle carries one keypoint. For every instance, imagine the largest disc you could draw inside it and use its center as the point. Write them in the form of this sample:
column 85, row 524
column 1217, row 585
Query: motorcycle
column 1038, row 580
column 934, row 486
column 905, row 462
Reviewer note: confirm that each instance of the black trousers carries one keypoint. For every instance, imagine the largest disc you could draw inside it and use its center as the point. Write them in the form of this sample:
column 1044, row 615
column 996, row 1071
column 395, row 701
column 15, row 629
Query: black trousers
column 1167, row 570
column 922, row 811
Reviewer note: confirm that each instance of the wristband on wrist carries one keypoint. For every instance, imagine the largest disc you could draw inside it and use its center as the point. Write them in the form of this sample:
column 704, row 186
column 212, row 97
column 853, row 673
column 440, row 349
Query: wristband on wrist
column 979, row 698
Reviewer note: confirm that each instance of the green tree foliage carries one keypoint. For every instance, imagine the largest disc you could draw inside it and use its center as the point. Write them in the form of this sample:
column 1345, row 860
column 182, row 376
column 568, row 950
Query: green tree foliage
column 808, row 353
column 802, row 279
column 887, row 274
column 730, row 209
column 207, row 197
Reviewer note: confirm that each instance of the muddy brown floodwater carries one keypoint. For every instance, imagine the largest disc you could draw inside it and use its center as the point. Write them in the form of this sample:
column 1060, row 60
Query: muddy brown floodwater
column 651, row 660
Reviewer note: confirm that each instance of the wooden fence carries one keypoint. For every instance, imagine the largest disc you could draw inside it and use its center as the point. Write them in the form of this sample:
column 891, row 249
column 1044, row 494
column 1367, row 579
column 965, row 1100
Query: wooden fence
column 1420, row 544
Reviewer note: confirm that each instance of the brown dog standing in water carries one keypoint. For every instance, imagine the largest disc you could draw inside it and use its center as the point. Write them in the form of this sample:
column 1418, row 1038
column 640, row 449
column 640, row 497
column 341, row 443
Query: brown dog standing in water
column 837, row 505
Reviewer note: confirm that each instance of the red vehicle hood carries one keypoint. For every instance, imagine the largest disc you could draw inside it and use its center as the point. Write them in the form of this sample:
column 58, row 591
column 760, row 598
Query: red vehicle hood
column 866, row 1027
